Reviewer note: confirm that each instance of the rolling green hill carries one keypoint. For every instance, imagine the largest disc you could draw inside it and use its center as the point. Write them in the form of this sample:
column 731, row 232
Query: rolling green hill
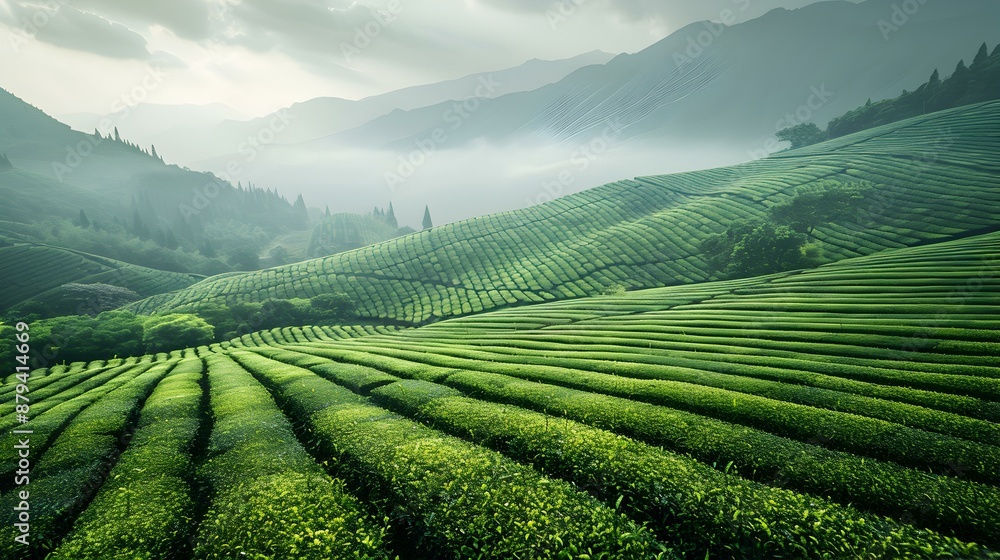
column 58, row 172
column 849, row 410
column 37, row 273
column 344, row 232
column 936, row 176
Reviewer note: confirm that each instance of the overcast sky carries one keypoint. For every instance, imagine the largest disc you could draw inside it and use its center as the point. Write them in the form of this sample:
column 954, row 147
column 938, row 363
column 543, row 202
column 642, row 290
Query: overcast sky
column 256, row 56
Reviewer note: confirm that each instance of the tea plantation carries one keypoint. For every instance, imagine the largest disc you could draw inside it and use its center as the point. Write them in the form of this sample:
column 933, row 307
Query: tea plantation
column 846, row 411
column 935, row 178
column 37, row 273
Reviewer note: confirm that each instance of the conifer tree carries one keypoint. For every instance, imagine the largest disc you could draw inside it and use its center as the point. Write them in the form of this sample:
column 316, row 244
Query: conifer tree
column 981, row 56
column 428, row 223
column 301, row 212
column 391, row 217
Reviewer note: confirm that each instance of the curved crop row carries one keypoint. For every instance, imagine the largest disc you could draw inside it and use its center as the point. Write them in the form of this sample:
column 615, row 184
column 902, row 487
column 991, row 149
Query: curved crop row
column 702, row 511
column 270, row 499
column 451, row 498
column 668, row 368
column 143, row 511
column 74, row 468
column 870, row 437
column 48, row 421
column 950, row 505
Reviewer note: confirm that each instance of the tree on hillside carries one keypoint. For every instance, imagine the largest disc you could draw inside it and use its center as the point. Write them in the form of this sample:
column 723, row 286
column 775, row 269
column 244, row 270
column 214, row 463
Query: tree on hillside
column 822, row 203
column 83, row 219
column 139, row 227
column 336, row 306
column 174, row 332
column 279, row 255
column 244, row 257
column 390, row 218
column 981, row 56
column 755, row 248
column 118, row 137
column 301, row 212
column 975, row 84
column 83, row 338
column 428, row 222
column 208, row 249
column 802, row 135
column 5, row 163
column 935, row 79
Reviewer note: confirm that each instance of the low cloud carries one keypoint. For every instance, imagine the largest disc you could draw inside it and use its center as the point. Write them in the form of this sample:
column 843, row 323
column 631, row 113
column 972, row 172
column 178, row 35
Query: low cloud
column 70, row 28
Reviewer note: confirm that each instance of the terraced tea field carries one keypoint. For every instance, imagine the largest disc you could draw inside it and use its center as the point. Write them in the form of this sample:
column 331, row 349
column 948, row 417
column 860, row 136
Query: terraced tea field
column 936, row 176
column 848, row 411
column 35, row 272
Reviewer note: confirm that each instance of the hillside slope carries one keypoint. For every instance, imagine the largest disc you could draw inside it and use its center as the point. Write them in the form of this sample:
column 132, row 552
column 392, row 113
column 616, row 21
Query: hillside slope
column 113, row 178
column 33, row 272
column 852, row 407
column 937, row 177
column 850, row 381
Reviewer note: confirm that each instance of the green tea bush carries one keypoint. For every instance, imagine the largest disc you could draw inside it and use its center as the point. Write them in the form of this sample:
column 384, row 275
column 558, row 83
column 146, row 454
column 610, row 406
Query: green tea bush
column 77, row 464
column 144, row 509
column 450, row 498
column 270, row 499
column 949, row 505
column 692, row 506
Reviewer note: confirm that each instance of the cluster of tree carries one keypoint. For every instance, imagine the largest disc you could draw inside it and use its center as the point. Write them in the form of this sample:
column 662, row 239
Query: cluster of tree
column 252, row 213
column 135, row 147
column 113, row 239
column 113, row 333
column 388, row 216
column 968, row 84
column 229, row 245
column 758, row 247
column 236, row 320
column 75, row 338
column 5, row 163
column 226, row 245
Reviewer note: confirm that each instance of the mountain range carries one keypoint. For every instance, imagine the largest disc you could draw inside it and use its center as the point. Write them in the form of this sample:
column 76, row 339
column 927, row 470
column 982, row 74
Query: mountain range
column 708, row 94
